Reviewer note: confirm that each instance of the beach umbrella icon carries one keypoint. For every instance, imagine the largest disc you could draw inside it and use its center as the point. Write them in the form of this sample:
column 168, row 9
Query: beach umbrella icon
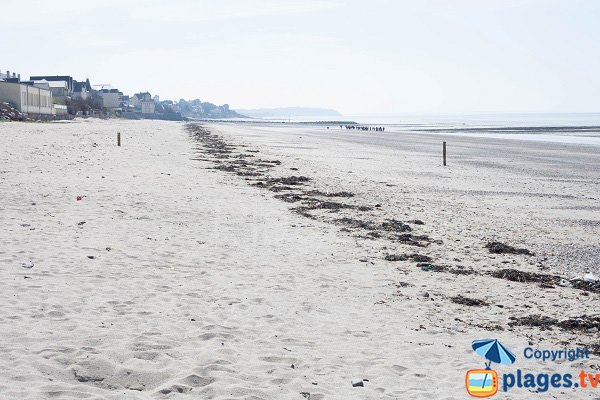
column 494, row 351
column 484, row 382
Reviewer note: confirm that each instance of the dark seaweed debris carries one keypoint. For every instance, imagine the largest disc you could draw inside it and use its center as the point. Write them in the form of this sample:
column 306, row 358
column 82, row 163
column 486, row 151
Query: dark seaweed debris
column 457, row 270
column 289, row 197
column 396, row 257
column 467, row 301
column 403, row 257
column 214, row 146
column 290, row 180
column 313, row 204
column 248, row 173
column 329, row 194
column 587, row 286
column 523, row 276
column 413, row 240
column 582, row 323
column 433, row 267
column 226, row 168
column 274, row 162
column 545, row 280
column 392, row 229
column 303, row 211
column 393, row 225
column 277, row 188
column 420, row 258
column 501, row 248
column 357, row 223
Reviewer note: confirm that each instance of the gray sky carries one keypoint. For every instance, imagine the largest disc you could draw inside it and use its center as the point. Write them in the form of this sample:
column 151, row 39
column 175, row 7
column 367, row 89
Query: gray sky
column 359, row 57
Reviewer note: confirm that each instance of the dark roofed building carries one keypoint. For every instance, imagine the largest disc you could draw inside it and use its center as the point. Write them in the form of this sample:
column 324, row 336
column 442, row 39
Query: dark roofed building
column 138, row 98
column 56, row 78
column 143, row 96
column 79, row 87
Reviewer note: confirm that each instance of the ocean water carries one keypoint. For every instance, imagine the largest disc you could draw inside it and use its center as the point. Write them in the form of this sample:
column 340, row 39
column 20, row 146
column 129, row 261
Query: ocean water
column 574, row 128
column 458, row 120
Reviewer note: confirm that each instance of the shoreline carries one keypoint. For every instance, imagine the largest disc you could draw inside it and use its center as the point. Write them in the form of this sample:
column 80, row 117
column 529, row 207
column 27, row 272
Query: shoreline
column 566, row 134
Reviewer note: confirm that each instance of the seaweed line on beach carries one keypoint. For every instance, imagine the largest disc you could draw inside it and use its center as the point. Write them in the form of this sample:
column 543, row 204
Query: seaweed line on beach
column 296, row 189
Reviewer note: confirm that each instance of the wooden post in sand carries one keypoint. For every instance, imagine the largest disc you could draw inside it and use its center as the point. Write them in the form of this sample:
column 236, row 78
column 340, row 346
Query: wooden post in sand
column 444, row 146
column 119, row 139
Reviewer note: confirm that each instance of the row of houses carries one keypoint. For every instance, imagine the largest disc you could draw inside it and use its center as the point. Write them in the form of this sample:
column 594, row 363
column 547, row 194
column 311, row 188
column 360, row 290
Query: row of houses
column 50, row 94
column 27, row 97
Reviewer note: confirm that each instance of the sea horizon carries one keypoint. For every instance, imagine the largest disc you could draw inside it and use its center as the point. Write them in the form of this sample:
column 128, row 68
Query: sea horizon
column 458, row 119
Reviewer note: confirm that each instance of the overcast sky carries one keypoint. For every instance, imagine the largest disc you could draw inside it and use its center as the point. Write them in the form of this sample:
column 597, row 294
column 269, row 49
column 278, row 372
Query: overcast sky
column 359, row 57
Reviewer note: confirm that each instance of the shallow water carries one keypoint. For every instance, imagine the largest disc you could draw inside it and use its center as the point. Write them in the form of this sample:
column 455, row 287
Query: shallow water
column 568, row 128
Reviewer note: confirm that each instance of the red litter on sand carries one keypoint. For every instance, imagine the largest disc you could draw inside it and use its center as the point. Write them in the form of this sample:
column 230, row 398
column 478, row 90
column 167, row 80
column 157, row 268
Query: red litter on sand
column 79, row 198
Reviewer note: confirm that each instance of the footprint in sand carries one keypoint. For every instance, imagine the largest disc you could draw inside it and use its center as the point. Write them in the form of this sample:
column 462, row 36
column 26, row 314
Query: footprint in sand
column 197, row 381
column 175, row 389
column 398, row 369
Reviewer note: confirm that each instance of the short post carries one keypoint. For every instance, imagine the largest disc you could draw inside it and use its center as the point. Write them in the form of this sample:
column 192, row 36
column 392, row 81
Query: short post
column 444, row 146
column 119, row 144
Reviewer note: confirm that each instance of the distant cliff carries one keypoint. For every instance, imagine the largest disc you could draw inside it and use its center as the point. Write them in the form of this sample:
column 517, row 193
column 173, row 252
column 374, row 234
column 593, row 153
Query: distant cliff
column 284, row 112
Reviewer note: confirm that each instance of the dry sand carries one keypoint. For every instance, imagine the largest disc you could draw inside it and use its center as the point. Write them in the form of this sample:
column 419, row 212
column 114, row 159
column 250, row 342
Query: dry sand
column 204, row 286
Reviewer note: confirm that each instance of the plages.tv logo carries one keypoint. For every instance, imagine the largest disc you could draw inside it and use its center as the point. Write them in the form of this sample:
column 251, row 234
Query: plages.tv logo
column 484, row 382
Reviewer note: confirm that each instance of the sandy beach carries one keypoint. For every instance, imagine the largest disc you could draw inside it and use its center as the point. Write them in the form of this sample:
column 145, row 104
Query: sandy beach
column 229, row 261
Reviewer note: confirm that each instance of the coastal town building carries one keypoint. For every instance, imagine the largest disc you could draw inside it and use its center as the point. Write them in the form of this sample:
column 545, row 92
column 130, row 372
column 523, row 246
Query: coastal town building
column 61, row 95
column 125, row 101
column 148, row 107
column 7, row 77
column 68, row 81
column 59, row 109
column 111, row 98
column 64, row 86
column 82, row 90
column 44, row 84
column 60, row 90
column 136, row 99
column 27, row 98
column 143, row 102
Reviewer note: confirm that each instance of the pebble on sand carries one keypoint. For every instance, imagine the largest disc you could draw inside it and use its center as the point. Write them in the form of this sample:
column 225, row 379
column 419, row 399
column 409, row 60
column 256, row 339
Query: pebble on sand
column 27, row 264
column 357, row 382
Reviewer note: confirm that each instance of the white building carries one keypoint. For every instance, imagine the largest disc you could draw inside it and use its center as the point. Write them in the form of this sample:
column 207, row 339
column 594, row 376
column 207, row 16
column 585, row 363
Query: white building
column 136, row 99
column 27, row 98
column 111, row 98
column 60, row 89
column 58, row 109
column 148, row 107
column 43, row 84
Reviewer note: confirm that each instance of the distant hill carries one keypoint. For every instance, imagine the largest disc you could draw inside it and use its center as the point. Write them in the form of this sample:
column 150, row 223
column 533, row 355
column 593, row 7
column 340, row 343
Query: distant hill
column 284, row 112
